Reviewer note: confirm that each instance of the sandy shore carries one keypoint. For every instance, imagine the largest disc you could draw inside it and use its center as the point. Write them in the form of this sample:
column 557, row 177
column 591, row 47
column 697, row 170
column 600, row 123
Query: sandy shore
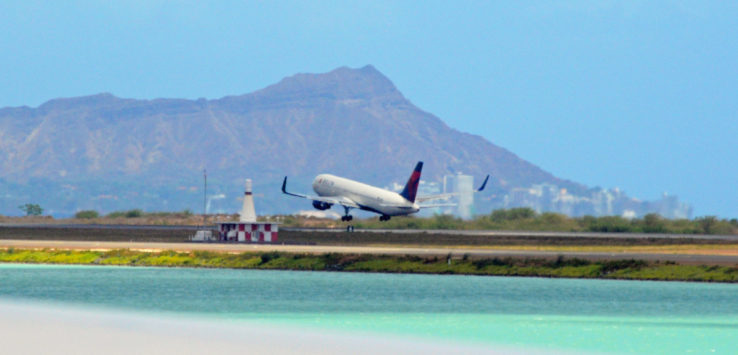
column 30, row 328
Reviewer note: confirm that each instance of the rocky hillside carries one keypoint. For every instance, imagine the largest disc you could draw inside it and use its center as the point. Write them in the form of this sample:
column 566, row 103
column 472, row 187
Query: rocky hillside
column 105, row 152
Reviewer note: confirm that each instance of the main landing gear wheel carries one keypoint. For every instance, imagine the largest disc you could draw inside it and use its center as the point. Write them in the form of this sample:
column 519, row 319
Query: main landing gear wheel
column 346, row 217
column 384, row 218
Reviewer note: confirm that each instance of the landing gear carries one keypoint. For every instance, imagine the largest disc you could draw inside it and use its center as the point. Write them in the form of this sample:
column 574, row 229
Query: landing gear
column 346, row 217
column 383, row 218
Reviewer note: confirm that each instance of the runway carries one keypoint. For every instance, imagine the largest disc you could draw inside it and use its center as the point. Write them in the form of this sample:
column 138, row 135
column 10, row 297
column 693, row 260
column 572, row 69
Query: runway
column 456, row 252
column 480, row 233
column 713, row 249
column 488, row 233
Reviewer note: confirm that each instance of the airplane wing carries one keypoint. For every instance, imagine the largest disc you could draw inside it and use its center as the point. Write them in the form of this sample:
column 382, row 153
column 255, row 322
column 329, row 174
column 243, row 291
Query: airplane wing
column 343, row 201
column 432, row 205
column 447, row 195
column 337, row 200
column 435, row 197
column 397, row 206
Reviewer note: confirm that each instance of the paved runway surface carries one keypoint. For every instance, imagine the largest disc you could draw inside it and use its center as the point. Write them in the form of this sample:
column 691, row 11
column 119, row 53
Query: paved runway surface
column 530, row 233
column 407, row 231
column 381, row 250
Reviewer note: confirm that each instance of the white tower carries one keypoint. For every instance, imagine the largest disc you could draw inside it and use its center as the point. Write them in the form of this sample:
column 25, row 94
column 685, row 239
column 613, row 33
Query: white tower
column 248, row 214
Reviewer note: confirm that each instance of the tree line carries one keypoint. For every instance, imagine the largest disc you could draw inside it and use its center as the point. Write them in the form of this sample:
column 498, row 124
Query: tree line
column 527, row 219
column 522, row 218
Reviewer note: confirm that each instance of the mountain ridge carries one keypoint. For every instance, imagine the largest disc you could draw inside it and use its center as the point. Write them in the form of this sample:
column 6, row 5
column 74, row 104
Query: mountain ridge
column 350, row 122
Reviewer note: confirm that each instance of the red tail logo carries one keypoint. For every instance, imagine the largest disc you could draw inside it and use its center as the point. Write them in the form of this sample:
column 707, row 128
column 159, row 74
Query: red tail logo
column 411, row 188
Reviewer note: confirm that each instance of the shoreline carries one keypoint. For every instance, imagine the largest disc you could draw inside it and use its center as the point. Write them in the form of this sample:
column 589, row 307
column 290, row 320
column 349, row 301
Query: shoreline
column 77, row 329
column 561, row 267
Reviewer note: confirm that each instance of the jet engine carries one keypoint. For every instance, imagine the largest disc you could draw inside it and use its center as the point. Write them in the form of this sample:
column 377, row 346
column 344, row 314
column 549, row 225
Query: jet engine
column 321, row 205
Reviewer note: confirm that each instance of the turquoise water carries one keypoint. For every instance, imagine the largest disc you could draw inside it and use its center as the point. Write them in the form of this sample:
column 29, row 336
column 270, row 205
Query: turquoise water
column 536, row 313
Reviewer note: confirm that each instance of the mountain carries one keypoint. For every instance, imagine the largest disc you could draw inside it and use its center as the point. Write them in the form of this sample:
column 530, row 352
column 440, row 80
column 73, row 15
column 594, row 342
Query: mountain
column 106, row 153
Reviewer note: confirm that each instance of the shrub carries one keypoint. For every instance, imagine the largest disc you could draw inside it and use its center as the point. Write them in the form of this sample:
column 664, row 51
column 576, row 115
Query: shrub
column 707, row 224
column 127, row 214
column 266, row 257
column 482, row 263
column 512, row 214
column 116, row 214
column 563, row 262
column 653, row 223
column 445, row 221
column 610, row 224
column 614, row 265
column 86, row 214
column 550, row 218
column 134, row 213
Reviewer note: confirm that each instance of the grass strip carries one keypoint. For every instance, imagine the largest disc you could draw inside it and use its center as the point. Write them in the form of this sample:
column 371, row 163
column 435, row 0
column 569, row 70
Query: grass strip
column 561, row 267
column 706, row 249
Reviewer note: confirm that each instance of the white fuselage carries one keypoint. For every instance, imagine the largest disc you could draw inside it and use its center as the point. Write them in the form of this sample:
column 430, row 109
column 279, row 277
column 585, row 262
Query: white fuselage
column 368, row 197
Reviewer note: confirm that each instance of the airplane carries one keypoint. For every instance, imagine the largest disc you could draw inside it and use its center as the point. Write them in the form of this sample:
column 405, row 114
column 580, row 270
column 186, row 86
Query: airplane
column 334, row 190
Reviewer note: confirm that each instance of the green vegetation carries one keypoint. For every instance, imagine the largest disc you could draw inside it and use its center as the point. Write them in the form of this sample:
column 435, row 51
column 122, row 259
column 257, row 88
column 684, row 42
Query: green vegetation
column 31, row 209
column 561, row 267
column 528, row 220
column 134, row 213
column 514, row 219
column 138, row 213
column 182, row 214
column 125, row 214
column 87, row 214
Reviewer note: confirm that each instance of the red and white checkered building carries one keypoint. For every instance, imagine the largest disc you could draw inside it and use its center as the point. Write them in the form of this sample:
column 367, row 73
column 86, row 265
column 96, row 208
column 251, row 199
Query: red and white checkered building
column 248, row 232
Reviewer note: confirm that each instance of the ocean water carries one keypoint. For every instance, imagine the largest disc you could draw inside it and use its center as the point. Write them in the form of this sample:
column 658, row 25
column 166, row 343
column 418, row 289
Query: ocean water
column 535, row 313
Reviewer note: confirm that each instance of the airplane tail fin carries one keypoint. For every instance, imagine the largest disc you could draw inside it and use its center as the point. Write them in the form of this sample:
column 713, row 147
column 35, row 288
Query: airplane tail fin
column 411, row 188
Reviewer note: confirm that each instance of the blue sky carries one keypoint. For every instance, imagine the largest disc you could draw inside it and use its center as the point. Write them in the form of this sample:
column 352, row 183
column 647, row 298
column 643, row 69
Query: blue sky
column 637, row 95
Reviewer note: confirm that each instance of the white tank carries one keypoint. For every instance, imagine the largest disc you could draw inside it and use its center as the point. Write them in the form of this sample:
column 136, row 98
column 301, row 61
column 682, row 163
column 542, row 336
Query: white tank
column 248, row 213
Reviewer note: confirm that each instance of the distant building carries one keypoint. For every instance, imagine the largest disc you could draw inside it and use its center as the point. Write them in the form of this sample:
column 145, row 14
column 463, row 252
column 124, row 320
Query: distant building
column 669, row 206
column 464, row 185
column 594, row 202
